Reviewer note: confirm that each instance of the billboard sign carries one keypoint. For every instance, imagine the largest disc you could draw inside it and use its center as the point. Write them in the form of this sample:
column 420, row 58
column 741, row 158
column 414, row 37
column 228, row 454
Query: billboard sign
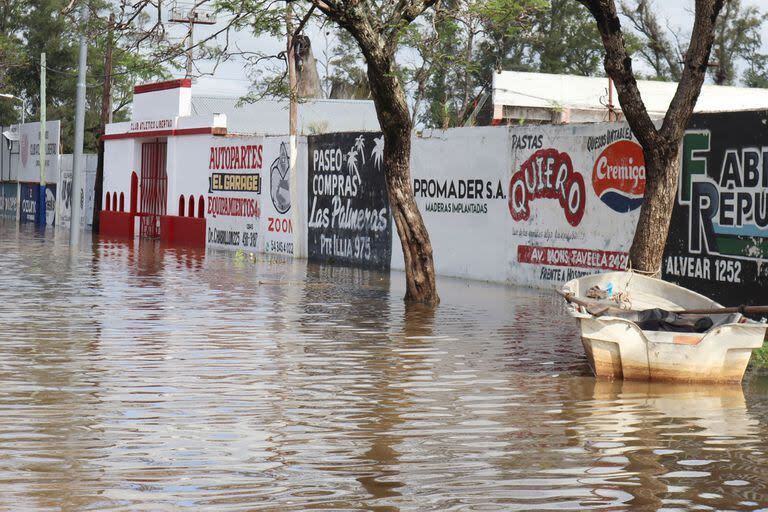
column 29, row 152
column 349, row 220
column 718, row 239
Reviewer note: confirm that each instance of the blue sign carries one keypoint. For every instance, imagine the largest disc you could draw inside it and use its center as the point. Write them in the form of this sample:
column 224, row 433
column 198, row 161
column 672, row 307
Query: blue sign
column 9, row 201
column 37, row 204
column 28, row 202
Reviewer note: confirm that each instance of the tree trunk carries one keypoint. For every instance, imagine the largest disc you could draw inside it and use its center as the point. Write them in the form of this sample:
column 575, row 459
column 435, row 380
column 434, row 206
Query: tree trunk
column 662, row 168
column 395, row 122
column 660, row 146
column 106, row 107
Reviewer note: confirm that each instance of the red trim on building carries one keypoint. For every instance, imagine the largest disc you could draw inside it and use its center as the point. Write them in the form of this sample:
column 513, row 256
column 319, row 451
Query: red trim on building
column 116, row 224
column 163, row 86
column 206, row 130
column 186, row 231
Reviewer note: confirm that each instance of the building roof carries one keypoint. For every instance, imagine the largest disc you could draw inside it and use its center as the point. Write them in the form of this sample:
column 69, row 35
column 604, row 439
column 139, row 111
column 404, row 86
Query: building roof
column 542, row 90
column 271, row 116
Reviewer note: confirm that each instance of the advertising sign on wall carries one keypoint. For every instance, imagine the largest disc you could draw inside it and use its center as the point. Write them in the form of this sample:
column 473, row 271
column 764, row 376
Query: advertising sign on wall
column 718, row 239
column 277, row 224
column 233, row 209
column 65, row 195
column 535, row 206
column 9, row 200
column 29, row 203
column 349, row 220
column 597, row 176
column 29, row 152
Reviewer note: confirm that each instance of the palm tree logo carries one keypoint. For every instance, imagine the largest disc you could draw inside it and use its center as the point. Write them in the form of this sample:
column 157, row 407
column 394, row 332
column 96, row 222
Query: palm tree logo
column 352, row 162
column 377, row 153
column 360, row 146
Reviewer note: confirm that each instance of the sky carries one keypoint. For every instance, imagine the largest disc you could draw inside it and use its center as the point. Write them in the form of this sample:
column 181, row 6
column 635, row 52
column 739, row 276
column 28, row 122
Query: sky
column 231, row 78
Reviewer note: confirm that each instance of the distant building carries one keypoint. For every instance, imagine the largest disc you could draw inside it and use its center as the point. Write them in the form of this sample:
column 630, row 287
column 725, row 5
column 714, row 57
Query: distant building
column 540, row 98
column 270, row 117
column 205, row 170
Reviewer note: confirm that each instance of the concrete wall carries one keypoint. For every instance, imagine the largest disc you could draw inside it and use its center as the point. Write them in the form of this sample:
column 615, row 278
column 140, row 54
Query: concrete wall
column 528, row 206
column 64, row 194
column 533, row 206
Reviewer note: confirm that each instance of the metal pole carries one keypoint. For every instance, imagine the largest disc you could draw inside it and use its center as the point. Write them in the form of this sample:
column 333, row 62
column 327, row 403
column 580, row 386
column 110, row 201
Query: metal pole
column 40, row 215
column 106, row 117
column 190, row 43
column 293, row 179
column 77, row 160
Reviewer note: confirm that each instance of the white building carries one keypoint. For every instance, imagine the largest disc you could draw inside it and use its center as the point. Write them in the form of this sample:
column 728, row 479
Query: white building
column 541, row 98
column 207, row 171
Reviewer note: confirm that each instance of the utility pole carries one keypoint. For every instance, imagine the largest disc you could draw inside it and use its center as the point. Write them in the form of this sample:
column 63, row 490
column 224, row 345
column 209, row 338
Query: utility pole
column 190, row 43
column 40, row 213
column 192, row 17
column 293, row 180
column 77, row 160
column 106, row 117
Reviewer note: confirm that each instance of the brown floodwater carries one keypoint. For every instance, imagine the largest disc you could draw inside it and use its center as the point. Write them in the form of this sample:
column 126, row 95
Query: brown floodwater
column 134, row 377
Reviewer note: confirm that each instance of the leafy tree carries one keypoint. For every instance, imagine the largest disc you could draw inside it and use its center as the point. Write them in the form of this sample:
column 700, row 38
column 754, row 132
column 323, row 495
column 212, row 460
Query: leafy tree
column 757, row 73
column 11, row 57
column 47, row 26
column 566, row 41
column 736, row 36
column 660, row 145
column 657, row 49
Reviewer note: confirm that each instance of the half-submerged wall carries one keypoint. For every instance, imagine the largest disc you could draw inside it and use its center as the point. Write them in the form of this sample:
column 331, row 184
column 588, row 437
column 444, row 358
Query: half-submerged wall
column 533, row 206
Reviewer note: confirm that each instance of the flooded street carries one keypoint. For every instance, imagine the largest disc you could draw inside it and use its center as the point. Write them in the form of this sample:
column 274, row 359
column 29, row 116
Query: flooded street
column 139, row 378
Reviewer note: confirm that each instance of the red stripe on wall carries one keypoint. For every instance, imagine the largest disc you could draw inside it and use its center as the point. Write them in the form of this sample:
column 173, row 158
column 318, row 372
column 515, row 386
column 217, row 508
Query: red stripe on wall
column 162, row 86
column 206, row 130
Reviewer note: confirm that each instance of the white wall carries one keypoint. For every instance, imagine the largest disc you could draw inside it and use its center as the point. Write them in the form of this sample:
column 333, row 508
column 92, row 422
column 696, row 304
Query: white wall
column 121, row 157
column 564, row 220
column 478, row 237
column 64, row 190
column 28, row 162
column 283, row 222
column 162, row 103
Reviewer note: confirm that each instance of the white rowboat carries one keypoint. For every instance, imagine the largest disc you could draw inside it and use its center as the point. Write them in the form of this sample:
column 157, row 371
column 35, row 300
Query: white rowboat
column 617, row 348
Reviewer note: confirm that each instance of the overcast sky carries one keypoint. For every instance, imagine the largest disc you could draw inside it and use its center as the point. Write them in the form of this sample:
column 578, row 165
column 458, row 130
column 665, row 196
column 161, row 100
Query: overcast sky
column 231, row 77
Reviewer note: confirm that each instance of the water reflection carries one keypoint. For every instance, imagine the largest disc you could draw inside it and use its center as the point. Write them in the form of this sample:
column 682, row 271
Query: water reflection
column 136, row 376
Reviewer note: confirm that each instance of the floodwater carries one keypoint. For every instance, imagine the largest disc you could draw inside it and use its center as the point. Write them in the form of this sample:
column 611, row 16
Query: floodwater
column 139, row 378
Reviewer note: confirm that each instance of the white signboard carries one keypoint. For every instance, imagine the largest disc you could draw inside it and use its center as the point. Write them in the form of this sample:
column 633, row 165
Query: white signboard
column 534, row 206
column 277, row 225
column 64, row 191
column 235, row 183
column 29, row 152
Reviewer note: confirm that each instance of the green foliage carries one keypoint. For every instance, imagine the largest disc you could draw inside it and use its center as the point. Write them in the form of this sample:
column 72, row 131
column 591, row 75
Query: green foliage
column 737, row 36
column 737, row 39
column 471, row 39
column 566, row 40
column 347, row 77
column 43, row 26
column 759, row 359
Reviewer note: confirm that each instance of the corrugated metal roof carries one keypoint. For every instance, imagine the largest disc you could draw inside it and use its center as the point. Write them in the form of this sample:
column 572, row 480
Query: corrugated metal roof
column 270, row 117
column 542, row 90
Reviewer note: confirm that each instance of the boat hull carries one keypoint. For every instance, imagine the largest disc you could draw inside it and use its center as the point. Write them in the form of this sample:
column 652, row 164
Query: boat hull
column 618, row 349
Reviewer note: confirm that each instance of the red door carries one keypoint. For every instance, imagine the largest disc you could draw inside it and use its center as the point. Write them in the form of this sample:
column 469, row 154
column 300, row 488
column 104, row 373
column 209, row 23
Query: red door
column 154, row 187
